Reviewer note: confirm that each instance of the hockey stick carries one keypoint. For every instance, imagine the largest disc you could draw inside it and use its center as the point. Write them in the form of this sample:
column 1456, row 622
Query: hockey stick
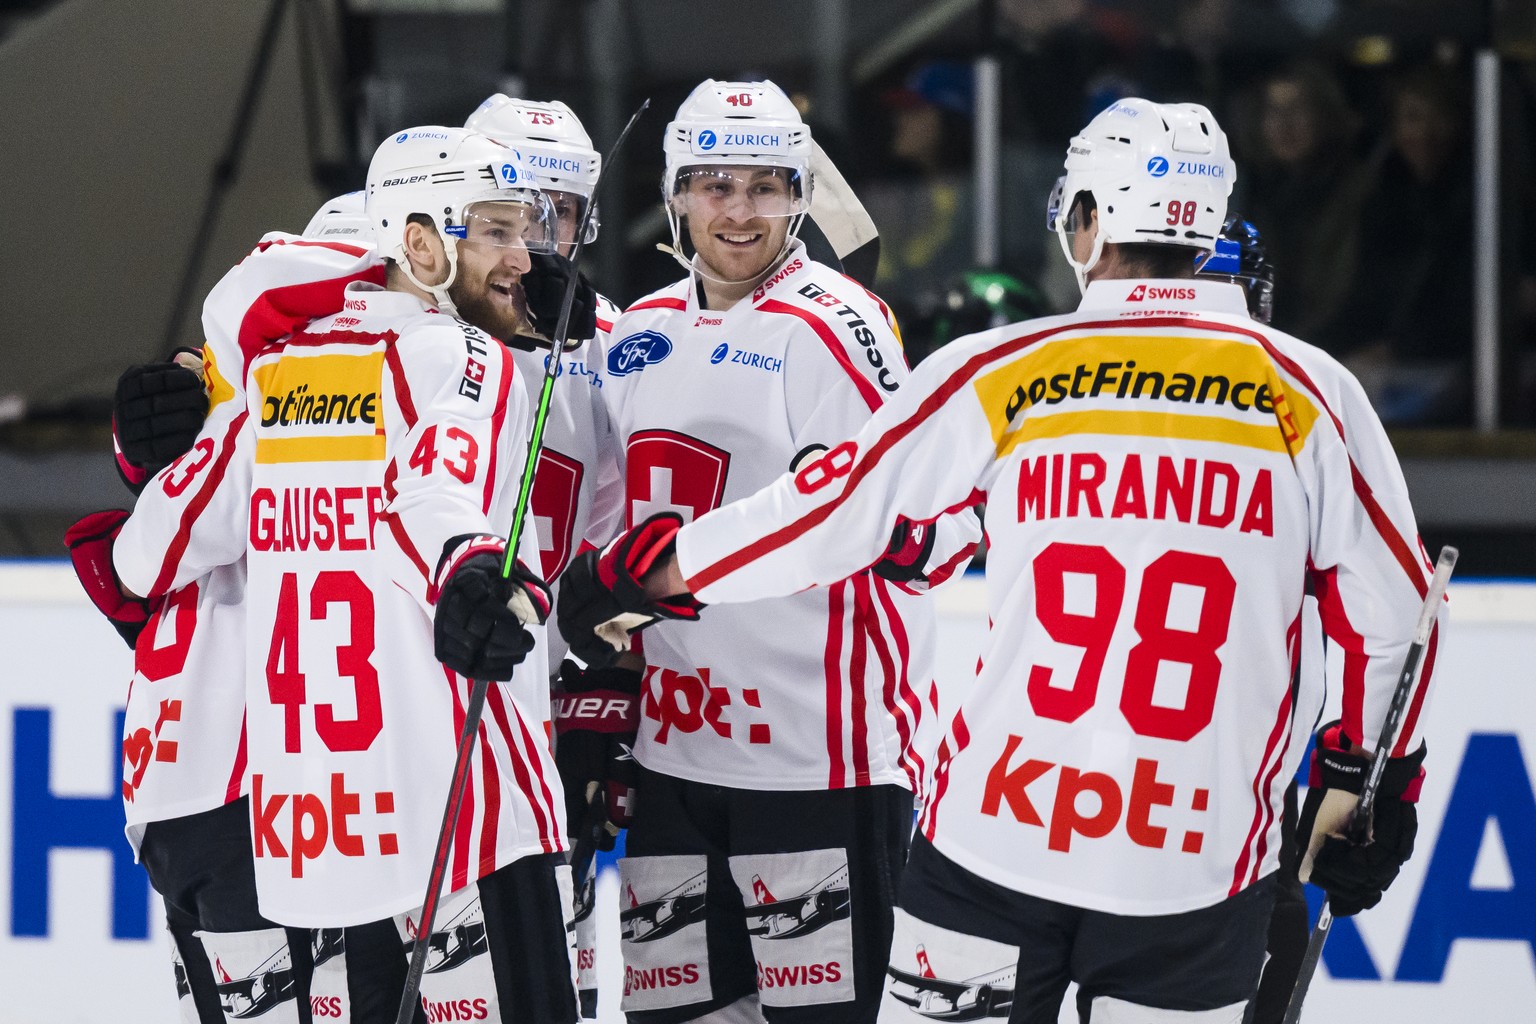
column 475, row 708
column 842, row 219
column 1358, row 831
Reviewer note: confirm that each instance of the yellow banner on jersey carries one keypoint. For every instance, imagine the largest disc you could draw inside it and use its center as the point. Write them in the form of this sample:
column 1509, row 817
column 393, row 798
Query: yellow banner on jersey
column 320, row 408
column 220, row 390
column 1230, row 389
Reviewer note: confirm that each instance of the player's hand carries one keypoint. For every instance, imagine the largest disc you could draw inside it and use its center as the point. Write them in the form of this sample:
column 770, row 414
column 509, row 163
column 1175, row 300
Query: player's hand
column 544, row 286
column 480, row 627
column 597, row 715
column 603, row 598
column 906, row 557
column 157, row 413
column 1355, row 876
column 90, row 550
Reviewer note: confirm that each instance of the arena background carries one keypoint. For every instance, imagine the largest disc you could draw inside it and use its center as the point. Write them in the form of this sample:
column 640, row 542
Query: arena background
column 1385, row 147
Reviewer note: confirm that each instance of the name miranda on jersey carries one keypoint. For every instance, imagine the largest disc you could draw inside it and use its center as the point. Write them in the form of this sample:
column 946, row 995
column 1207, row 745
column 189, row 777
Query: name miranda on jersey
column 1117, row 379
column 299, row 406
column 1205, row 492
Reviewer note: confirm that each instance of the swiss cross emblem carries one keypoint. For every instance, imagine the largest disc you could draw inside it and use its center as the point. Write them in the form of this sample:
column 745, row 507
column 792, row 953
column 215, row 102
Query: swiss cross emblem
column 671, row 472
column 1137, row 294
column 474, row 370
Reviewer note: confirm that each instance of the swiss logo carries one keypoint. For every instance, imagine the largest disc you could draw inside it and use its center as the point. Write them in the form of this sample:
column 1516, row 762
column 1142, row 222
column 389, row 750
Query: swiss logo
column 1137, row 294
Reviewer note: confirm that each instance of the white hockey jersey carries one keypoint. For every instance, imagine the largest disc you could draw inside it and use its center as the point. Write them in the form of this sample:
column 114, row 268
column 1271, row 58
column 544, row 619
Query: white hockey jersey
column 816, row 690
column 371, row 439
column 1161, row 475
column 578, row 492
column 184, row 724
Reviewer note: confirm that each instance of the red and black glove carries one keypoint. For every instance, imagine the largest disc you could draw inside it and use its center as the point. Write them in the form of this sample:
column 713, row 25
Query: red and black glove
column 157, row 413
column 906, row 557
column 597, row 715
column 1355, row 875
column 90, row 550
column 480, row 627
column 603, row 596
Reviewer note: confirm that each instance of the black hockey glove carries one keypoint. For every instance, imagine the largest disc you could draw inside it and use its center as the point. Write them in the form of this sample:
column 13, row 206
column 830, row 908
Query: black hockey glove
column 597, row 714
column 544, row 285
column 90, row 543
column 602, row 598
column 906, row 557
column 1355, row 876
column 156, row 415
column 480, row 627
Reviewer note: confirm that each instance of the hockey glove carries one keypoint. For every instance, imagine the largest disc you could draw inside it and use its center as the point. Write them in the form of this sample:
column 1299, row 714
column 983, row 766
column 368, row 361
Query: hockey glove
column 597, row 714
column 602, row 596
column 90, row 549
column 480, row 627
column 907, row 556
column 1355, row 876
column 544, row 285
column 156, row 416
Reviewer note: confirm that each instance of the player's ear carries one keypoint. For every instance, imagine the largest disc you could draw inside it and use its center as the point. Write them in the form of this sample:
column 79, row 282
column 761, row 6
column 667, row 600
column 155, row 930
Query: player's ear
column 424, row 248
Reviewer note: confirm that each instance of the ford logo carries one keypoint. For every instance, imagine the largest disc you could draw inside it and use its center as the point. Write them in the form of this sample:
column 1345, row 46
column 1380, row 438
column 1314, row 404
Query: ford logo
column 638, row 351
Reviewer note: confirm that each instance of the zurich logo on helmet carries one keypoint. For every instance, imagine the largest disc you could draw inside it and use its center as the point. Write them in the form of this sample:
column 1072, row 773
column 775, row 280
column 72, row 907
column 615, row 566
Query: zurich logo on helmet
column 402, row 136
column 638, row 351
column 719, row 354
column 1157, row 166
column 706, row 139
column 509, row 173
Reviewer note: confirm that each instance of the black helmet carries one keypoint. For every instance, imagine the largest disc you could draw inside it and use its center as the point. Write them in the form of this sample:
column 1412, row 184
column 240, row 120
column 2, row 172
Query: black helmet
column 1239, row 258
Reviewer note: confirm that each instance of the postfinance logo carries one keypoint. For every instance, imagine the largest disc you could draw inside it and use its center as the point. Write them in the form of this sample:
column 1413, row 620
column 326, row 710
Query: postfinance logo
column 1198, row 388
column 320, row 408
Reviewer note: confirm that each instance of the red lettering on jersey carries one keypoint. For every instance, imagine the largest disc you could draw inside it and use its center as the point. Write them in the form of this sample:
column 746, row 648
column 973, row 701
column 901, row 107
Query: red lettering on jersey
column 685, row 702
column 1205, row 492
column 314, row 518
column 316, row 822
column 1088, row 804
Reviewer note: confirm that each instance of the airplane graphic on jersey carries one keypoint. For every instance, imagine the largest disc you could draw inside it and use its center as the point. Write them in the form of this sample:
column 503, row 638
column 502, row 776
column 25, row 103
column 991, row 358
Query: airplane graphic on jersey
column 327, row 943
column 985, row 995
column 262, row 990
column 825, row 902
column 656, row 919
column 586, row 899
column 461, row 939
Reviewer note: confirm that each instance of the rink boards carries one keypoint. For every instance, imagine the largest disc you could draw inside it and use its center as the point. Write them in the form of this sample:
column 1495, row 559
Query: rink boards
column 80, row 941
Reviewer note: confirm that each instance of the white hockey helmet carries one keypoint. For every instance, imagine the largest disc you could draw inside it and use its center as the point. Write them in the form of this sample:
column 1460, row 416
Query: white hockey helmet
column 442, row 174
column 1157, row 172
column 342, row 219
column 736, row 124
column 551, row 141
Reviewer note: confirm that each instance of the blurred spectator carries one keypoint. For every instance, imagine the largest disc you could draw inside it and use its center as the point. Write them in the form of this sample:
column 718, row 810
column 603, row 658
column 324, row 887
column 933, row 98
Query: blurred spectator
column 1411, row 307
column 972, row 301
column 1305, row 187
column 924, row 203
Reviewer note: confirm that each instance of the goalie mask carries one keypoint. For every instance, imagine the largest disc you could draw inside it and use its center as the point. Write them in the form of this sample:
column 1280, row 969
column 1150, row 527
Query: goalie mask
column 738, row 148
column 471, row 188
column 553, row 146
column 1157, row 173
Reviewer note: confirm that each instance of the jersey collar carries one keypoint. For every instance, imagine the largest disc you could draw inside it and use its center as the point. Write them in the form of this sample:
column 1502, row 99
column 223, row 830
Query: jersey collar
column 1145, row 297
column 371, row 298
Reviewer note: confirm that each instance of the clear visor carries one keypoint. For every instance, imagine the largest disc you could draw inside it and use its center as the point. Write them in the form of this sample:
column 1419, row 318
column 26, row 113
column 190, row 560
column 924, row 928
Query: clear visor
column 741, row 193
column 1053, row 211
column 570, row 207
column 505, row 224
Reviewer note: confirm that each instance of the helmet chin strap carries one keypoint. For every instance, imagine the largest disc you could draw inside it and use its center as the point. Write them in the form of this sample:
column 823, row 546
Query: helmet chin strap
column 1080, row 269
column 438, row 292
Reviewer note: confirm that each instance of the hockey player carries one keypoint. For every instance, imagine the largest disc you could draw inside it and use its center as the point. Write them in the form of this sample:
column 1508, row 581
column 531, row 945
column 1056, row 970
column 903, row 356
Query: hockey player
column 368, row 479
column 1163, row 474
column 578, row 491
column 184, row 792
column 773, row 802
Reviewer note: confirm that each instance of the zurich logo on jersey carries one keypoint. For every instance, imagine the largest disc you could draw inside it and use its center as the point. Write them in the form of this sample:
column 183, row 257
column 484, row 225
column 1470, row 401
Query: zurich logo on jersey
column 638, row 351
column 1157, row 166
column 706, row 140
column 721, row 351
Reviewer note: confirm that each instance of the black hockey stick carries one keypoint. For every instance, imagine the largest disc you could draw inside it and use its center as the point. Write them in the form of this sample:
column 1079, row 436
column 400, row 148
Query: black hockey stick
column 475, row 708
column 1358, row 831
